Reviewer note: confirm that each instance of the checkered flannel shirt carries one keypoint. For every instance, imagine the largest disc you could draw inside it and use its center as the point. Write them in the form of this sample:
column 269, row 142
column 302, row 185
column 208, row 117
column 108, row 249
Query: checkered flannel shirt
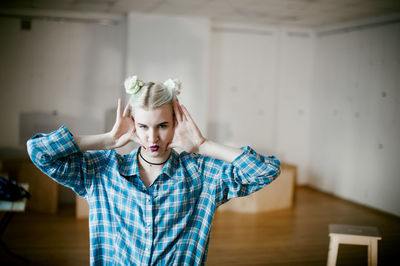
column 167, row 224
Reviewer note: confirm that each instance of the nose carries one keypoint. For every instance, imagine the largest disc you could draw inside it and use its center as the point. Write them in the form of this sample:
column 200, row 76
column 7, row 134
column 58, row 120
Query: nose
column 153, row 135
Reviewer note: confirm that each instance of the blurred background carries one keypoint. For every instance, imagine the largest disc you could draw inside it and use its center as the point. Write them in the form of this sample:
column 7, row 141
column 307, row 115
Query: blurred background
column 314, row 82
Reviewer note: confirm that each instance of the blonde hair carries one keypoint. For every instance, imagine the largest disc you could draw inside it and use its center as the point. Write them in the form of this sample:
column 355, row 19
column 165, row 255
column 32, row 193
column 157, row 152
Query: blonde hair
column 152, row 95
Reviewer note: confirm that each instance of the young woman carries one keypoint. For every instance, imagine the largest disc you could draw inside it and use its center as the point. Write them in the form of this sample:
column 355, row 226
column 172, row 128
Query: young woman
column 153, row 206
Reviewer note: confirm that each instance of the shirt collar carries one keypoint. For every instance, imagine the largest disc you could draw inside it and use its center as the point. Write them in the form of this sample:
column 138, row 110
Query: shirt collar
column 171, row 165
column 129, row 165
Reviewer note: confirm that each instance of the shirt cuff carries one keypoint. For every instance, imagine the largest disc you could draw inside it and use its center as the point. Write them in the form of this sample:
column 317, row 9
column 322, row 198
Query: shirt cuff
column 256, row 163
column 243, row 157
column 58, row 143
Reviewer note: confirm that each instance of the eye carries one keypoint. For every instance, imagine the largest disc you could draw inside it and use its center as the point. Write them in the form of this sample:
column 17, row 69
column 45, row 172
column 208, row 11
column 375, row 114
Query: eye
column 162, row 126
column 142, row 126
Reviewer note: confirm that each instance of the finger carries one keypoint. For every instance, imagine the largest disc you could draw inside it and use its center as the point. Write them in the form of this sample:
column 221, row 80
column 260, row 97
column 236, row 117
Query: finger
column 136, row 138
column 127, row 110
column 171, row 145
column 186, row 113
column 177, row 111
column 133, row 123
column 183, row 113
column 193, row 124
column 119, row 113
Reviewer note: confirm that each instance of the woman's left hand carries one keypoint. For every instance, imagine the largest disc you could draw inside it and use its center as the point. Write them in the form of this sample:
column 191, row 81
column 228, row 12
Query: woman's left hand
column 187, row 135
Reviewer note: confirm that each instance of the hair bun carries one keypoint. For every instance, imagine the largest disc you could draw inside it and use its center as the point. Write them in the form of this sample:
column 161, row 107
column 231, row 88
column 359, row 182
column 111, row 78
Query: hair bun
column 174, row 85
column 133, row 85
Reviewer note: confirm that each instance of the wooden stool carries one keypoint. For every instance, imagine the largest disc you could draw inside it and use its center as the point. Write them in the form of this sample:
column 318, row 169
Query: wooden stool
column 353, row 235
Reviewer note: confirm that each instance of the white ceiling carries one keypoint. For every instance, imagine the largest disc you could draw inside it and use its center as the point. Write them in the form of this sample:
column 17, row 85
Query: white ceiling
column 299, row 13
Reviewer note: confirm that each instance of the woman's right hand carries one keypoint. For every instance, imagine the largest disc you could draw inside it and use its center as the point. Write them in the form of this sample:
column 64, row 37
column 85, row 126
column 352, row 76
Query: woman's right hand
column 124, row 130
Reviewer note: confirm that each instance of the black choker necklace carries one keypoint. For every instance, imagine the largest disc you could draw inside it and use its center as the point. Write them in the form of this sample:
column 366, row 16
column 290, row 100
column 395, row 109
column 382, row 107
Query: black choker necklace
column 150, row 163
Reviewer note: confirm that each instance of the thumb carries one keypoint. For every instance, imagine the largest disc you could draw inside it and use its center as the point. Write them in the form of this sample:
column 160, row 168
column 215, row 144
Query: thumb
column 136, row 139
column 172, row 144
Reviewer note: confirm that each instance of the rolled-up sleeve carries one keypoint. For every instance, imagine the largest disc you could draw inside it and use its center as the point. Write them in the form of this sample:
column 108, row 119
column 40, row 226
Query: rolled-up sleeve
column 248, row 173
column 57, row 155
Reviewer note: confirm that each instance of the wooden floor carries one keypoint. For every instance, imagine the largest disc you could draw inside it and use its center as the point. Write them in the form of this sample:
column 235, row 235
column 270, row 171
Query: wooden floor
column 297, row 236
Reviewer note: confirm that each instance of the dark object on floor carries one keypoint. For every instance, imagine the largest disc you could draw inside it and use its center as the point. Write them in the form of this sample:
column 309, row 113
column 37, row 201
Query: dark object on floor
column 11, row 191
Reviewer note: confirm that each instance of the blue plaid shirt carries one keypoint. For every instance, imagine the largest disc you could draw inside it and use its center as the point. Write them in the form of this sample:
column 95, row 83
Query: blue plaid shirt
column 167, row 224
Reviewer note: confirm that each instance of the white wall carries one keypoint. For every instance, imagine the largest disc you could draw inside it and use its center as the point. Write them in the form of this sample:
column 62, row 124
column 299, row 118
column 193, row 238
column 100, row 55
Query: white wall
column 73, row 69
column 260, row 90
column 294, row 99
column 329, row 104
column 355, row 122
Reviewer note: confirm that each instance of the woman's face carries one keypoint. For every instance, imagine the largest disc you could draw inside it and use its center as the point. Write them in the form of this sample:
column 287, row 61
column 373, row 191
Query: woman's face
column 155, row 129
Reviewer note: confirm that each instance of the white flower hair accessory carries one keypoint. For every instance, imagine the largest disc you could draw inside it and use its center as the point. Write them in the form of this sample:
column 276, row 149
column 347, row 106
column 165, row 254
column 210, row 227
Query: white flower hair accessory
column 133, row 85
column 174, row 85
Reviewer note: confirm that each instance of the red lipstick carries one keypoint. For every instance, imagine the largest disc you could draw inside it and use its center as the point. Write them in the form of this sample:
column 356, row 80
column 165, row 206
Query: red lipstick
column 154, row 148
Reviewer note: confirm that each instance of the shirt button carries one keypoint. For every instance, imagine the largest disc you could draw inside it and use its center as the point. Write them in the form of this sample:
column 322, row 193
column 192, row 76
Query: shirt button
column 148, row 224
column 148, row 200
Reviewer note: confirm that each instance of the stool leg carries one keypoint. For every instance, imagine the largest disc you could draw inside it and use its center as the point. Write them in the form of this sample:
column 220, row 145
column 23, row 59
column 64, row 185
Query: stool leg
column 333, row 251
column 373, row 253
column 369, row 254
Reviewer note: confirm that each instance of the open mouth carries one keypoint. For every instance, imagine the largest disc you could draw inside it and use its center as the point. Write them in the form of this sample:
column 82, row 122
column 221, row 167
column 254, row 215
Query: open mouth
column 154, row 148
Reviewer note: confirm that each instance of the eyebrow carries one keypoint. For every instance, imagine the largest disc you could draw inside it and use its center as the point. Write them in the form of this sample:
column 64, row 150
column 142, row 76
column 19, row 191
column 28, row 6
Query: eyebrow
column 162, row 123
